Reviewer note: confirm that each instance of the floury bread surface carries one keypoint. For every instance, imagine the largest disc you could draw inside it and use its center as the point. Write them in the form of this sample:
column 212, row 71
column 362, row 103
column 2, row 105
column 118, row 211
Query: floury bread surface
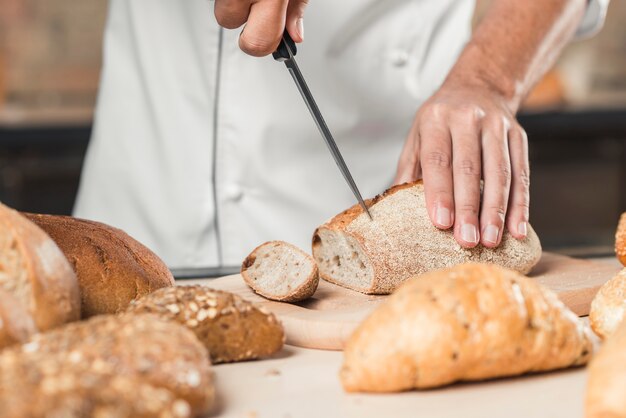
column 375, row 256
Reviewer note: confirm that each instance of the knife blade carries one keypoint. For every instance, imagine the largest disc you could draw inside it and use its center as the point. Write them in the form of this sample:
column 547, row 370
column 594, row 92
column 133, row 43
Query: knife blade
column 286, row 53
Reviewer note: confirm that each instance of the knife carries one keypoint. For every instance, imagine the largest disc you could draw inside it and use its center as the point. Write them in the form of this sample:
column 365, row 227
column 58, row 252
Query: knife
column 286, row 53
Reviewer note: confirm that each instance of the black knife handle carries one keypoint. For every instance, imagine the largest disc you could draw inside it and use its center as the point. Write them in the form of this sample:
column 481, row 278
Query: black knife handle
column 282, row 54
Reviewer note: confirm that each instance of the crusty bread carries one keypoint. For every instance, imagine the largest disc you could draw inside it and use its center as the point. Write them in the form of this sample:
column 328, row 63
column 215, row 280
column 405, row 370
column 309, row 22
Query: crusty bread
column 606, row 384
column 620, row 239
column 280, row 271
column 376, row 256
column 16, row 324
column 608, row 307
column 112, row 267
column 231, row 328
column 469, row 322
column 35, row 275
column 113, row 366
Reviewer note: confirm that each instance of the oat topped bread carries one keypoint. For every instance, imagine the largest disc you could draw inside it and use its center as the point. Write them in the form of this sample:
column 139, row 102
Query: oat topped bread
column 375, row 256
column 85, row 367
column 469, row 322
column 231, row 328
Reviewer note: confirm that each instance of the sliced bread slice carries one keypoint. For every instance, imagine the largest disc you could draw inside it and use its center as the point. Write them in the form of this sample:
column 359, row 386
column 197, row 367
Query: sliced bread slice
column 280, row 271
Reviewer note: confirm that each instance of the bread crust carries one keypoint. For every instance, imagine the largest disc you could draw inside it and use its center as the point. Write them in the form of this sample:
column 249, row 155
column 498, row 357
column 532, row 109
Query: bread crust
column 112, row 267
column 54, row 293
column 608, row 307
column 89, row 364
column 469, row 322
column 16, row 324
column 231, row 328
column 408, row 244
column 620, row 240
column 606, row 383
column 302, row 292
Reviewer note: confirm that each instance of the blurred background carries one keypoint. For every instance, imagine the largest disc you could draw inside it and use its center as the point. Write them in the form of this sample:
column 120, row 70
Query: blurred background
column 50, row 58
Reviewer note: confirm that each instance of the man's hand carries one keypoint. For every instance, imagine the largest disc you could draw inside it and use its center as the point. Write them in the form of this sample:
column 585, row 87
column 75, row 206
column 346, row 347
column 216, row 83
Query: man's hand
column 467, row 132
column 265, row 22
column 461, row 135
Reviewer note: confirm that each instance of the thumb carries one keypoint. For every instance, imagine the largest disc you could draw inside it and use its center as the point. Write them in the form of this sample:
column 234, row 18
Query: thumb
column 295, row 19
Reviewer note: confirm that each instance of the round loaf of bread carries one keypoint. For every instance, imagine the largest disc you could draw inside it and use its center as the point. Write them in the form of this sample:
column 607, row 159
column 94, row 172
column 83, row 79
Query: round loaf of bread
column 620, row 240
column 280, row 271
column 608, row 307
column 16, row 324
column 231, row 328
column 35, row 277
column 375, row 256
column 112, row 267
column 111, row 365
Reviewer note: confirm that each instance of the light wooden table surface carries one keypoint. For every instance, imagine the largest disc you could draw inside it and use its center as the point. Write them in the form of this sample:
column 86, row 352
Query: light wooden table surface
column 304, row 383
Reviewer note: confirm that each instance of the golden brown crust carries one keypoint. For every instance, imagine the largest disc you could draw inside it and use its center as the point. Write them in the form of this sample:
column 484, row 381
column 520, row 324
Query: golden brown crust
column 620, row 240
column 112, row 267
column 231, row 328
column 608, row 307
column 302, row 292
column 16, row 324
column 606, row 384
column 470, row 322
column 88, row 365
column 53, row 291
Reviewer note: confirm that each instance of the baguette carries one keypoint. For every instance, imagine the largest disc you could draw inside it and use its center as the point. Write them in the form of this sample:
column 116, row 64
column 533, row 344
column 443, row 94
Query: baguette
column 606, row 384
column 620, row 240
column 120, row 366
column 280, row 271
column 231, row 328
column 470, row 322
column 375, row 256
column 112, row 267
column 608, row 307
column 35, row 278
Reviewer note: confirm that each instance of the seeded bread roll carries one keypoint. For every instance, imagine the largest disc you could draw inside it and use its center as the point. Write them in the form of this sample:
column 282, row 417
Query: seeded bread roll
column 620, row 239
column 119, row 366
column 606, row 384
column 469, row 322
column 231, row 328
column 608, row 307
column 35, row 278
column 280, row 271
column 112, row 267
column 375, row 256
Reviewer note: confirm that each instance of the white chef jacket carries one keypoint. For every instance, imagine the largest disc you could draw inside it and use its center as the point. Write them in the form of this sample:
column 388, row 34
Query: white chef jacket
column 202, row 152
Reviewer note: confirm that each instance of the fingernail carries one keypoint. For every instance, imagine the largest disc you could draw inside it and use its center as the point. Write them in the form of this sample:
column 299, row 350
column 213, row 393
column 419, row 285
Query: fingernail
column 300, row 27
column 469, row 233
column 522, row 228
column 490, row 234
column 443, row 217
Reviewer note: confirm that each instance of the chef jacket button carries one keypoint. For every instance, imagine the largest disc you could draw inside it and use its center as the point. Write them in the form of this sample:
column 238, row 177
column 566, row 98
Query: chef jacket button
column 399, row 58
column 233, row 192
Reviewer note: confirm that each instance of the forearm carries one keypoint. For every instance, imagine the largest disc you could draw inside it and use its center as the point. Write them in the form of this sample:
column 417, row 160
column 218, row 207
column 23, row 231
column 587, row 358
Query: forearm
column 515, row 44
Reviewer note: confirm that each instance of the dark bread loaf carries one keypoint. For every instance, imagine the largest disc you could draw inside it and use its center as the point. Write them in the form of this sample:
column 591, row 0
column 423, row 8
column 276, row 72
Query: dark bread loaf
column 112, row 267
column 231, row 328
column 39, row 288
column 111, row 365
column 620, row 239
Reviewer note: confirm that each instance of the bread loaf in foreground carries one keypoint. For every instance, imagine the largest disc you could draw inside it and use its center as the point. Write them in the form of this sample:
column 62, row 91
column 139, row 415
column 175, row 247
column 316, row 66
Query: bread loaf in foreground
column 39, row 288
column 620, row 240
column 110, row 366
column 231, row 328
column 280, row 271
column 606, row 382
column 608, row 307
column 375, row 256
column 469, row 322
column 112, row 267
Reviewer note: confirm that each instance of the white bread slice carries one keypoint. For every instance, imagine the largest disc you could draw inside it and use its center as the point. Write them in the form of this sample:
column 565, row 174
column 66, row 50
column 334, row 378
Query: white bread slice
column 608, row 307
column 375, row 256
column 280, row 271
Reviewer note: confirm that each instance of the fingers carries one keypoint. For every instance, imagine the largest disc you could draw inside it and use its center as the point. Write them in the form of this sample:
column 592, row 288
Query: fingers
column 231, row 14
column 408, row 164
column 295, row 19
column 467, row 173
column 265, row 27
column 519, row 201
column 436, row 160
column 497, row 180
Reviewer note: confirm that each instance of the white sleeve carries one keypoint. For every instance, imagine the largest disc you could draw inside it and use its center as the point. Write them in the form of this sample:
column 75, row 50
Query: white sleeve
column 593, row 20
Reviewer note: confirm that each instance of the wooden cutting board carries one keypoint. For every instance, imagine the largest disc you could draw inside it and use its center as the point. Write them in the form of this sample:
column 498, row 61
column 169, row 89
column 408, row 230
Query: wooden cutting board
column 326, row 320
